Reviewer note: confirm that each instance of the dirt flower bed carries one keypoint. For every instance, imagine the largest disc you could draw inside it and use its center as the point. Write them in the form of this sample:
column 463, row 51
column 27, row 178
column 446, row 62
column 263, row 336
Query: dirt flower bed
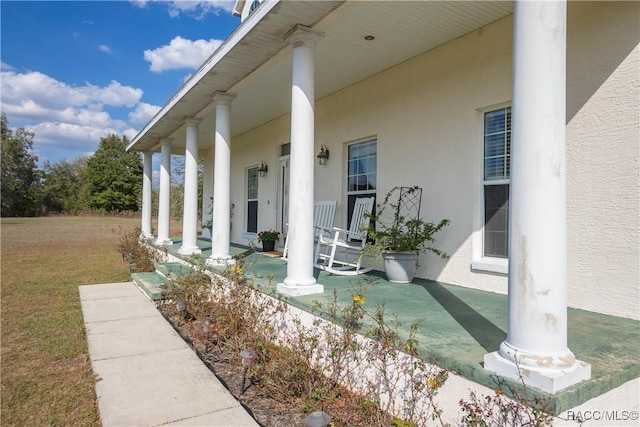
column 299, row 368
column 223, row 358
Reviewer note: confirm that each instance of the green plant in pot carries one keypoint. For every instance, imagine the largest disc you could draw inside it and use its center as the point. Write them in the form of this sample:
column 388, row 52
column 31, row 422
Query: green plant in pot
column 268, row 239
column 399, row 235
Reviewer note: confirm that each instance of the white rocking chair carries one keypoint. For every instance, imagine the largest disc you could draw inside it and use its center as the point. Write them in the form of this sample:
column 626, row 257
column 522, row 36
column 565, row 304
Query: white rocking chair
column 341, row 251
column 323, row 213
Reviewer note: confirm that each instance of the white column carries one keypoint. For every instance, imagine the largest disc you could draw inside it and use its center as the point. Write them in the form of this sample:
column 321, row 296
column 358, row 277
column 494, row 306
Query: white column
column 220, row 239
column 300, row 279
column 536, row 345
column 164, row 198
column 145, row 227
column 190, row 215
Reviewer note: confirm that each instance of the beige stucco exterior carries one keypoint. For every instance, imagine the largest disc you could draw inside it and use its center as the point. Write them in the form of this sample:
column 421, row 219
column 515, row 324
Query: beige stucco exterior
column 426, row 114
column 603, row 158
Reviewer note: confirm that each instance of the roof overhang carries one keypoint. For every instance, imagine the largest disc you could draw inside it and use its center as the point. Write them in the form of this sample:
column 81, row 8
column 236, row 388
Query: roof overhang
column 254, row 62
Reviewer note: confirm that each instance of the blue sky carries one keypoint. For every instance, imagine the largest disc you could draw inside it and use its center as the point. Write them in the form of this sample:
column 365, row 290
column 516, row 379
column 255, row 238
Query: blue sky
column 73, row 72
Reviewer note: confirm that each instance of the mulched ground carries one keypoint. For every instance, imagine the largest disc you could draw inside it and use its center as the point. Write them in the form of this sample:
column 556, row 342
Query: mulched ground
column 227, row 366
column 225, row 363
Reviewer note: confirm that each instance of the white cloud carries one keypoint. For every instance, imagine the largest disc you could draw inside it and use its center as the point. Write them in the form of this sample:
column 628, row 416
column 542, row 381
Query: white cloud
column 143, row 113
column 115, row 94
column 6, row 67
column 69, row 135
column 139, row 3
column 198, row 9
column 180, row 53
column 34, row 89
column 195, row 9
column 130, row 133
column 65, row 117
column 104, row 48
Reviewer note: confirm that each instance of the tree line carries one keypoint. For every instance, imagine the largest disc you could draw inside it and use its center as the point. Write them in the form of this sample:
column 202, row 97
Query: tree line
column 108, row 181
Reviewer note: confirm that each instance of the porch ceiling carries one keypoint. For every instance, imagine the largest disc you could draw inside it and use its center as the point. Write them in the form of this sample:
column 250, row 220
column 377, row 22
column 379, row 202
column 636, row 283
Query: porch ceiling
column 254, row 63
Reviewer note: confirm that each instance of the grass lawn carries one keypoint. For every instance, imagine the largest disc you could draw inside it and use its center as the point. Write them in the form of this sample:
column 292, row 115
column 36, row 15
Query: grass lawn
column 46, row 373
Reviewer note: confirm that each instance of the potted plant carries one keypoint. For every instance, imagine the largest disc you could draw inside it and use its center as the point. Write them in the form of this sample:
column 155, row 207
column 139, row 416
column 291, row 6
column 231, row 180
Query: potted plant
column 268, row 239
column 399, row 235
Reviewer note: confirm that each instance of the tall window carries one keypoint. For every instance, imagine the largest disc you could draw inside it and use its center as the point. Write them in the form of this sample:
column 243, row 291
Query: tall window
column 252, row 200
column 362, row 165
column 497, row 156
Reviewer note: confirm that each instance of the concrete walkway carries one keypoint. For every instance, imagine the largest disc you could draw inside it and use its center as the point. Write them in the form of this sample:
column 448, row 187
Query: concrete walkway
column 146, row 374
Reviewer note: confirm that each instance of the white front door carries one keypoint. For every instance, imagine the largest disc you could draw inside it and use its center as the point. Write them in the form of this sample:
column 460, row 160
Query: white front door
column 283, row 195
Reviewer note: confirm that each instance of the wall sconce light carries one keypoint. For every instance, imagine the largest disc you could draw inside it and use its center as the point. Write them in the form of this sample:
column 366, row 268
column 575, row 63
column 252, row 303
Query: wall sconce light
column 263, row 168
column 323, row 155
column 317, row 419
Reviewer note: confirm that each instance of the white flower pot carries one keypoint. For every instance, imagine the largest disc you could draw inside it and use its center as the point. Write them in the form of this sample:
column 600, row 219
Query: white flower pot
column 400, row 267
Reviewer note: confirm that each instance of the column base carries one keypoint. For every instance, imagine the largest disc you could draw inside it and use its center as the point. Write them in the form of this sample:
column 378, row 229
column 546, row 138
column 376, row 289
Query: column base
column 163, row 242
column 190, row 250
column 146, row 236
column 298, row 288
column 220, row 260
column 548, row 379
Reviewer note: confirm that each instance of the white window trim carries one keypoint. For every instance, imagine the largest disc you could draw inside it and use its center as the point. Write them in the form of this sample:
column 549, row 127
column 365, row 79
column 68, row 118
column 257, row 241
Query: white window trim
column 250, row 236
column 346, row 192
column 491, row 265
column 246, row 203
column 481, row 263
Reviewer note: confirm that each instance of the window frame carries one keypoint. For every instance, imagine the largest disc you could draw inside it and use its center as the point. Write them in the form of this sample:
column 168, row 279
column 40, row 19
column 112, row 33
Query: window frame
column 249, row 199
column 482, row 262
column 351, row 195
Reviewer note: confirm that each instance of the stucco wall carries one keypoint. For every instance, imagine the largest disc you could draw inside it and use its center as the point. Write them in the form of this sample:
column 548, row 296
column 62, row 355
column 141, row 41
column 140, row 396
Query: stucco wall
column 603, row 157
column 427, row 116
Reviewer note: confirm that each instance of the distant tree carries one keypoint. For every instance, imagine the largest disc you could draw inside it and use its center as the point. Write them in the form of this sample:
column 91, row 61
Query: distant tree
column 177, row 186
column 63, row 184
column 20, row 174
column 176, row 204
column 114, row 176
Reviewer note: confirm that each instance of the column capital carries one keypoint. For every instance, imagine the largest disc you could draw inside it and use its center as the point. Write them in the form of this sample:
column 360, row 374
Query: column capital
column 192, row 121
column 166, row 141
column 303, row 36
column 222, row 98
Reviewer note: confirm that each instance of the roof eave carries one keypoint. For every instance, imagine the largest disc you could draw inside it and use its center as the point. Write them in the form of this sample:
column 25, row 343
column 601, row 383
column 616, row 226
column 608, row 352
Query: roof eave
column 233, row 40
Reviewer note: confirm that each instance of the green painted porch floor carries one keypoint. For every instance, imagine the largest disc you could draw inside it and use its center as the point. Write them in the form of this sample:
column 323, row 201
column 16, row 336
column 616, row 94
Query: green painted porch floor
column 151, row 283
column 461, row 325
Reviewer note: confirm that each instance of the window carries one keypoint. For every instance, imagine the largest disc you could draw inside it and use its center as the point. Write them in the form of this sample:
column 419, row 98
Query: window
column 497, row 156
column 285, row 149
column 252, row 200
column 254, row 5
column 361, row 172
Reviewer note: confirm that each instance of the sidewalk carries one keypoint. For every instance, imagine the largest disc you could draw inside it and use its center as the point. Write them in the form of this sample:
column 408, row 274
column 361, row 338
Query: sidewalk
column 146, row 374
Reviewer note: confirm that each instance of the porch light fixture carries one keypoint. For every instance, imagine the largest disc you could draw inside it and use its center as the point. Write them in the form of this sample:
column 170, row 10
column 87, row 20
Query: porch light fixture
column 323, row 155
column 263, row 168
column 369, row 37
column 317, row 419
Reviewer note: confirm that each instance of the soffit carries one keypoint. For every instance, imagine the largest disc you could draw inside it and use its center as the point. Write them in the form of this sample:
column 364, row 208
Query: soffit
column 258, row 68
